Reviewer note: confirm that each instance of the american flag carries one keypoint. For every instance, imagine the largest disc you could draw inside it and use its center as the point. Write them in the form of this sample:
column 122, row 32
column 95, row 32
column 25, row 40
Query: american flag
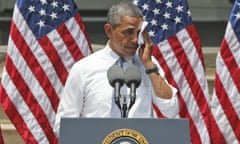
column 46, row 38
column 178, row 50
column 1, row 137
column 226, row 96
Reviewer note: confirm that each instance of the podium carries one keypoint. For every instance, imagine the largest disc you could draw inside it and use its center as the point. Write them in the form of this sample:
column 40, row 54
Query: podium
column 124, row 131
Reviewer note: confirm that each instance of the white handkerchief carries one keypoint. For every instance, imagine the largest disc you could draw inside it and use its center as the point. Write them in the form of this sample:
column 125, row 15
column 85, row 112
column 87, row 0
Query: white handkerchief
column 140, row 36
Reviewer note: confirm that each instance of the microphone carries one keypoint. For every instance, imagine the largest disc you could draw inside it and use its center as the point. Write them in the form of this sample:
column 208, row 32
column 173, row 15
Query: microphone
column 133, row 80
column 116, row 79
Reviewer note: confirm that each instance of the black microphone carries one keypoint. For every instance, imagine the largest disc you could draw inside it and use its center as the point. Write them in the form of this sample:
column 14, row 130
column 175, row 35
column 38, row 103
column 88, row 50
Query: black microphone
column 116, row 79
column 133, row 80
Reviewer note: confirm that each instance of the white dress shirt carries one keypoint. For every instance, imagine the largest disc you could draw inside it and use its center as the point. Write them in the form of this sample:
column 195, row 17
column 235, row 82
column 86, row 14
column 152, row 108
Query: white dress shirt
column 87, row 91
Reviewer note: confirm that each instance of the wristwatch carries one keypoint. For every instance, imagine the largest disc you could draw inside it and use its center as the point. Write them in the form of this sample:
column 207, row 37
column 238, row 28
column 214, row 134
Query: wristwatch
column 152, row 70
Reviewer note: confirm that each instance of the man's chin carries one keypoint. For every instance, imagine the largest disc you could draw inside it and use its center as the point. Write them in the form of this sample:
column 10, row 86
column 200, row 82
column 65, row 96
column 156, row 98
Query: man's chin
column 132, row 50
column 131, row 53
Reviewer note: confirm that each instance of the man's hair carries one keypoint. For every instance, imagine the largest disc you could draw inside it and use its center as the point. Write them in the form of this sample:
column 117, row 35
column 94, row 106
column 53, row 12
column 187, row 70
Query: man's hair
column 123, row 8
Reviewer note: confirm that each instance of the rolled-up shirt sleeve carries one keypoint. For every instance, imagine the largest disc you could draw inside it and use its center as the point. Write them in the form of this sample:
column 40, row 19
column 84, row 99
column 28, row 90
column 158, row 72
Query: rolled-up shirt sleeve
column 168, row 107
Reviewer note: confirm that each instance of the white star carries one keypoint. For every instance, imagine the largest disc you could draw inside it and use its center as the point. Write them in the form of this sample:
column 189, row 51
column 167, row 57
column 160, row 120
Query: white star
column 158, row 1
column 167, row 15
column 153, row 22
column 43, row 2
column 66, row 7
column 164, row 26
column 169, row 4
column 54, row 4
column 237, row 15
column 189, row 13
column 31, row 9
column 151, row 33
column 53, row 15
column 179, row 8
column 135, row 2
column 156, row 11
column 41, row 23
column 42, row 12
column 145, row 6
column 177, row 20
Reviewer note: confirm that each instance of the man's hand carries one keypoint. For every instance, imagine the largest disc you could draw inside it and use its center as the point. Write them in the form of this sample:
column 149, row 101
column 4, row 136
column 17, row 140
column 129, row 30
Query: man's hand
column 145, row 51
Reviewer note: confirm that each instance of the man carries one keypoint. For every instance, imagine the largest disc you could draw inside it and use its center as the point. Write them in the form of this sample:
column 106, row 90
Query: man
column 87, row 91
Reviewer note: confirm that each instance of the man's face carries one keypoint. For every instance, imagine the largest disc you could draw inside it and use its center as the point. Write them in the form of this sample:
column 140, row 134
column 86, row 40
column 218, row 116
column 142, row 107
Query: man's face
column 123, row 38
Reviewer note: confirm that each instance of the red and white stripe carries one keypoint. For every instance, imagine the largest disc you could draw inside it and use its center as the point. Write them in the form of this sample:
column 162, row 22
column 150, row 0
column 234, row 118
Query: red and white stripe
column 35, row 73
column 181, row 58
column 226, row 96
column 1, row 137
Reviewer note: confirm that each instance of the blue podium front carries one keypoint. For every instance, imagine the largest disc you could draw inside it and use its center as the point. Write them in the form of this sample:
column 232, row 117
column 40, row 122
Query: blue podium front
column 124, row 131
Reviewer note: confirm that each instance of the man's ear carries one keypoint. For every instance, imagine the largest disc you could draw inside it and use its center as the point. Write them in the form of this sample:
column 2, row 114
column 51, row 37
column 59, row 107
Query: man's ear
column 108, row 29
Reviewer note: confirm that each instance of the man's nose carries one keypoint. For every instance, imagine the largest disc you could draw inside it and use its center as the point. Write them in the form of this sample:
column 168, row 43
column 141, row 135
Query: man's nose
column 135, row 38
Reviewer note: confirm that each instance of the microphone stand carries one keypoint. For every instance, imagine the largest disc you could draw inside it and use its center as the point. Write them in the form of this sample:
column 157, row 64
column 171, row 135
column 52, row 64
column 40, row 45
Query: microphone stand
column 125, row 108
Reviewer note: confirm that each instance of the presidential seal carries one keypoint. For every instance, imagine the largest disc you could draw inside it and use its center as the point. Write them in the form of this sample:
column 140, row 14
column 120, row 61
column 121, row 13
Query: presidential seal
column 125, row 136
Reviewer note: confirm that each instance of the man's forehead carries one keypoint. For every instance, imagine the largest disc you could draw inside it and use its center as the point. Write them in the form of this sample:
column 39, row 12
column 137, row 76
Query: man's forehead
column 131, row 22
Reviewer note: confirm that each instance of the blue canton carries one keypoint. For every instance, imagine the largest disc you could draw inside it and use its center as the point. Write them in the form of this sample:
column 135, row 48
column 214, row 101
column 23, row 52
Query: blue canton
column 44, row 16
column 165, row 17
column 234, row 18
